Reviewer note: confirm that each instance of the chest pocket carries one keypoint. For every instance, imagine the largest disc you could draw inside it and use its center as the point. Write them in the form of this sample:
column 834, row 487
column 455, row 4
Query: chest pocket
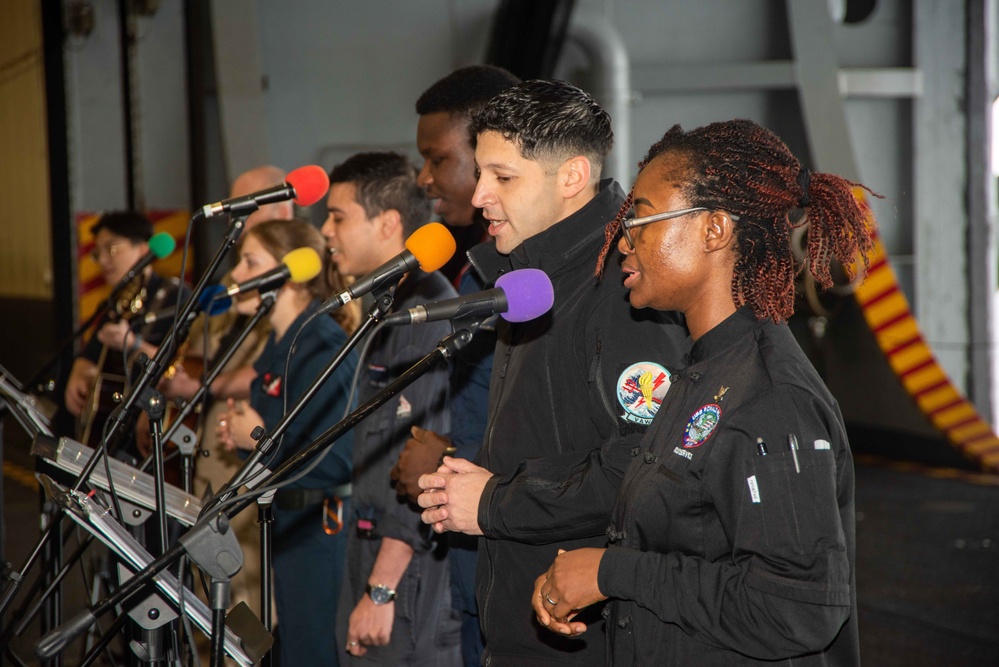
column 377, row 376
column 799, row 510
column 604, row 392
column 377, row 379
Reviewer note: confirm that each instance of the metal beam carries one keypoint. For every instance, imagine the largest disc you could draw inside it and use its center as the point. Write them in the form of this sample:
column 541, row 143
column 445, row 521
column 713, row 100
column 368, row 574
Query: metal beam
column 240, row 86
column 772, row 75
column 822, row 105
column 982, row 252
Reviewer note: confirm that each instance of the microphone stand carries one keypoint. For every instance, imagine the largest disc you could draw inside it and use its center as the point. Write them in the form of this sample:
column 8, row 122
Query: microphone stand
column 267, row 442
column 152, row 405
column 265, row 445
column 185, row 438
column 39, row 381
column 56, row 640
column 446, row 348
column 185, row 441
column 152, row 371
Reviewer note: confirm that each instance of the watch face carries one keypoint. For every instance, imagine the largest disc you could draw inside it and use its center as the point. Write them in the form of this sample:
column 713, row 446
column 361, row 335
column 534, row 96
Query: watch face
column 381, row 594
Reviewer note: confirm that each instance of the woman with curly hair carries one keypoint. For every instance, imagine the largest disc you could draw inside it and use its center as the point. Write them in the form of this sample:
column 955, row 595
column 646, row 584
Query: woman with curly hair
column 732, row 537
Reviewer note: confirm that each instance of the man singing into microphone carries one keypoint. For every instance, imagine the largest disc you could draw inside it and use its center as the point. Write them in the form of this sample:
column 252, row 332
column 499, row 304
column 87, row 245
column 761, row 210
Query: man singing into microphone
column 562, row 384
column 395, row 605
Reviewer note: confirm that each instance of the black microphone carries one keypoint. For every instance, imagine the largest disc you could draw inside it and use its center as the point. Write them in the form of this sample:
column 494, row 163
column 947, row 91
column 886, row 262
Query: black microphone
column 306, row 185
column 299, row 265
column 519, row 296
column 428, row 248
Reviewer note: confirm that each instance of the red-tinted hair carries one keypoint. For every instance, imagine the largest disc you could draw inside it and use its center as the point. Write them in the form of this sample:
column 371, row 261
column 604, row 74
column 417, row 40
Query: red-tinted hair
column 745, row 169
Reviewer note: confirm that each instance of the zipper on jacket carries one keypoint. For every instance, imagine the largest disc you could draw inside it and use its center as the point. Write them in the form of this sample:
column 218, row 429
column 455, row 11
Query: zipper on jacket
column 487, row 442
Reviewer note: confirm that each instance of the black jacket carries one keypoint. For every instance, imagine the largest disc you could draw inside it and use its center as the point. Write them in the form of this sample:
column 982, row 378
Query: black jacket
column 562, row 385
column 721, row 555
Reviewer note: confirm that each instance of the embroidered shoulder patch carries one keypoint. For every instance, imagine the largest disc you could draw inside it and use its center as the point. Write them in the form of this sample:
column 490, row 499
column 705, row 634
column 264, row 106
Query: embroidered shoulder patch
column 271, row 384
column 405, row 409
column 640, row 391
column 701, row 425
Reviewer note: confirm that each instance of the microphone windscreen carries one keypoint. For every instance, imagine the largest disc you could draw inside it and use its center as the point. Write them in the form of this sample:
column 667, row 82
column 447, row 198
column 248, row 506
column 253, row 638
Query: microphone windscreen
column 162, row 245
column 212, row 305
column 529, row 294
column 432, row 245
column 303, row 264
column 310, row 182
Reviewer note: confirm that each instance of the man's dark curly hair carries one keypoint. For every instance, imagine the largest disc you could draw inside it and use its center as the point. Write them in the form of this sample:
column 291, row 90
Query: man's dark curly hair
column 385, row 181
column 745, row 169
column 131, row 225
column 550, row 121
column 465, row 90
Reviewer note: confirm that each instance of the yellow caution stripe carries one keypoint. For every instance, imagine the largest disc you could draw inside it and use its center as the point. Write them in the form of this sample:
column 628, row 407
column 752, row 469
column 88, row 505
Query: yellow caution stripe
column 20, row 474
column 898, row 335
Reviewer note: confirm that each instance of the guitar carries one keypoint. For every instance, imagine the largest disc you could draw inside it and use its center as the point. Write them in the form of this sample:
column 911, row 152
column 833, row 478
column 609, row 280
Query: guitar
column 110, row 381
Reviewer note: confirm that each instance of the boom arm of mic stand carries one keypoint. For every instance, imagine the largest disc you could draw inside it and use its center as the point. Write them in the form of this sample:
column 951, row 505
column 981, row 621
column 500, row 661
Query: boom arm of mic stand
column 56, row 640
column 101, row 308
column 266, row 303
column 267, row 442
column 446, row 349
column 45, row 370
column 154, row 369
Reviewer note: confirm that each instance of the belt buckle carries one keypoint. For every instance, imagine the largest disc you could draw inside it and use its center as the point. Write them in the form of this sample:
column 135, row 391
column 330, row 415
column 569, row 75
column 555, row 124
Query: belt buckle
column 335, row 515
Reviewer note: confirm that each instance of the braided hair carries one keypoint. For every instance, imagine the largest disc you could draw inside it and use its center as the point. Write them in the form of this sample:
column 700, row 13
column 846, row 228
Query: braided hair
column 745, row 169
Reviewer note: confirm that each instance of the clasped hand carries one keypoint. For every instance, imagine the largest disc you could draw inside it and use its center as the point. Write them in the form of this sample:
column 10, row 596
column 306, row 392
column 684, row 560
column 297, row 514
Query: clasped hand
column 421, row 455
column 451, row 496
column 236, row 424
column 569, row 586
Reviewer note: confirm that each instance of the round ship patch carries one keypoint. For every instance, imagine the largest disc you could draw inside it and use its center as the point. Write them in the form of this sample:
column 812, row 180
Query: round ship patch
column 701, row 425
column 641, row 389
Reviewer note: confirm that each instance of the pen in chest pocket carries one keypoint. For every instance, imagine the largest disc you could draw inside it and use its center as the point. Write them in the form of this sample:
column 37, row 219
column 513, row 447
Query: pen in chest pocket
column 792, row 445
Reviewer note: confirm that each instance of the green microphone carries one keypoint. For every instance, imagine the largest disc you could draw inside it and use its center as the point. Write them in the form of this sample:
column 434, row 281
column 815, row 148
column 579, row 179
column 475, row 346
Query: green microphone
column 161, row 245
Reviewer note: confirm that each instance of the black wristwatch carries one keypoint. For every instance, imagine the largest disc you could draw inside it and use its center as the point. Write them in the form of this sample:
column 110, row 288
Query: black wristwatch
column 380, row 594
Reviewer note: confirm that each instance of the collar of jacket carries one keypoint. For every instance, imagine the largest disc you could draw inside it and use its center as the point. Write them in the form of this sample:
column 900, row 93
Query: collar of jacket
column 557, row 246
column 729, row 331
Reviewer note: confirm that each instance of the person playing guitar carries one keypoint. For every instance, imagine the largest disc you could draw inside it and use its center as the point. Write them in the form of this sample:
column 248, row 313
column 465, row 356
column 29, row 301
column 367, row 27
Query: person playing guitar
column 120, row 240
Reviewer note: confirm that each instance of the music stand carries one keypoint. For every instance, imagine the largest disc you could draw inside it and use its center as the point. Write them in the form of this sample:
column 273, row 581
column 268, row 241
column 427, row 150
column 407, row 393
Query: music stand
column 34, row 415
column 99, row 522
column 129, row 482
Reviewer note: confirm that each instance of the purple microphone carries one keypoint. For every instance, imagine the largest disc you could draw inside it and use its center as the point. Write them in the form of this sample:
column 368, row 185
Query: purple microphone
column 519, row 296
column 528, row 294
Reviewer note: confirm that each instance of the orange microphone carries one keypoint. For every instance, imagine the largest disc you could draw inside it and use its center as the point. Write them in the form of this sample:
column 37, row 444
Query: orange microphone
column 428, row 248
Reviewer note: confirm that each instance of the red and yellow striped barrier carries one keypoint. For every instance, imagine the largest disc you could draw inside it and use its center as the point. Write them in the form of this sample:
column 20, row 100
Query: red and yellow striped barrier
column 898, row 335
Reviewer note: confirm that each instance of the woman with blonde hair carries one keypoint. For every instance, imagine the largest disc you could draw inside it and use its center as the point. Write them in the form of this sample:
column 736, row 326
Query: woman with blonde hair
column 309, row 547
